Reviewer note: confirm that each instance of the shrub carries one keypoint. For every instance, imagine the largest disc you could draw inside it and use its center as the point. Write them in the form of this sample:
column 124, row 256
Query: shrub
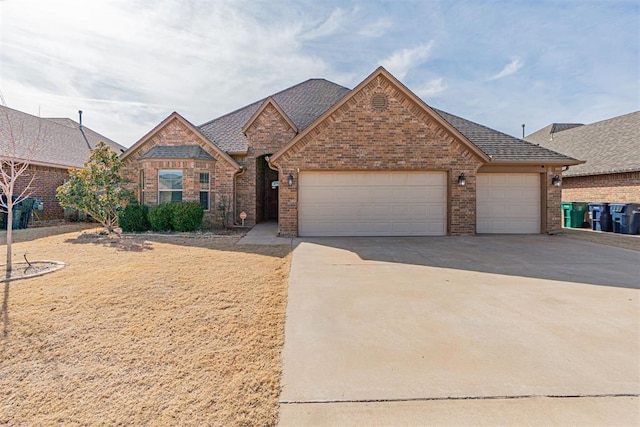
column 160, row 217
column 134, row 218
column 187, row 216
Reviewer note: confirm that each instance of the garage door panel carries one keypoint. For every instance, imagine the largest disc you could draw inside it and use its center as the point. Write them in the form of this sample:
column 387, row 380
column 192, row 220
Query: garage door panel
column 508, row 203
column 372, row 203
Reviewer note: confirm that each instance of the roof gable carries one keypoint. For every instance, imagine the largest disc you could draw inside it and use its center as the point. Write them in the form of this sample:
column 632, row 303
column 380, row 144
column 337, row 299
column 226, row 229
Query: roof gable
column 381, row 73
column 177, row 117
column 269, row 101
column 301, row 103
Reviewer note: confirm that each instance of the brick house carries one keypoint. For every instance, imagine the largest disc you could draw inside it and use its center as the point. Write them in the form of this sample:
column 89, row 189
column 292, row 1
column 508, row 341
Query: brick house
column 375, row 160
column 60, row 145
column 611, row 149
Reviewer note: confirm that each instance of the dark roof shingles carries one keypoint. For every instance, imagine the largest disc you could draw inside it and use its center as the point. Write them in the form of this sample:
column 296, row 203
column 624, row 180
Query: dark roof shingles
column 59, row 141
column 608, row 146
column 303, row 103
column 177, row 152
column 500, row 146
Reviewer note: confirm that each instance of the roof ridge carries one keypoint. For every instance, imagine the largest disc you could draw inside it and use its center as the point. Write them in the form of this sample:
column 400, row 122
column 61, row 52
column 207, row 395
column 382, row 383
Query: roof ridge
column 262, row 100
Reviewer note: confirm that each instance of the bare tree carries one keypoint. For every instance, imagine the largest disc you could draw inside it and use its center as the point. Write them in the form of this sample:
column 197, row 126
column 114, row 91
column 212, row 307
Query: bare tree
column 18, row 145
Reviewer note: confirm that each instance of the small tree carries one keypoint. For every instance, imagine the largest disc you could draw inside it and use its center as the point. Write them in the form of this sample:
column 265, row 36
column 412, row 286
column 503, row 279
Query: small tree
column 97, row 188
column 18, row 145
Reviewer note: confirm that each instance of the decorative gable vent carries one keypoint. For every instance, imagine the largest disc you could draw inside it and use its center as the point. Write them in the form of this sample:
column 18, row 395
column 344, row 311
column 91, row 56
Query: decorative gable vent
column 379, row 102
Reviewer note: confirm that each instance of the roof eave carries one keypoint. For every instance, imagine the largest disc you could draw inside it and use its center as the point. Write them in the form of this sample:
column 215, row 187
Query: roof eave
column 558, row 162
column 45, row 164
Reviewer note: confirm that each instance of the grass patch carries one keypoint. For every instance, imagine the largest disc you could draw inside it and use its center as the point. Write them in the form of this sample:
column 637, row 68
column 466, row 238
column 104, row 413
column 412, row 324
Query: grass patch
column 151, row 330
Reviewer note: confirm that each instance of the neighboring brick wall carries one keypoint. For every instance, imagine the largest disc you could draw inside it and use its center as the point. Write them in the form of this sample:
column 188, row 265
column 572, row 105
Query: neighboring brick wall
column 221, row 174
column 608, row 188
column 266, row 135
column 402, row 137
column 46, row 181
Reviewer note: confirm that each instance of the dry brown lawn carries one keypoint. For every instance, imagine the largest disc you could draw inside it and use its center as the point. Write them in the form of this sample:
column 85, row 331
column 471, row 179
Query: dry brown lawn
column 144, row 331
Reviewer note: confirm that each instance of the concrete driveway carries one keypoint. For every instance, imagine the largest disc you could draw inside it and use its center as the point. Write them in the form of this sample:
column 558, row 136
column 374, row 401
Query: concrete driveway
column 531, row 330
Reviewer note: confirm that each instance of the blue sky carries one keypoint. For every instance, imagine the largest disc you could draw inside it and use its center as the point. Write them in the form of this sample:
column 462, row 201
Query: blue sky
column 128, row 64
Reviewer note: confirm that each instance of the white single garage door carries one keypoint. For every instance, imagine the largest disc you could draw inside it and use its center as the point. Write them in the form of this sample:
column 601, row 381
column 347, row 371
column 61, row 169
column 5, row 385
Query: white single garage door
column 372, row 204
column 508, row 203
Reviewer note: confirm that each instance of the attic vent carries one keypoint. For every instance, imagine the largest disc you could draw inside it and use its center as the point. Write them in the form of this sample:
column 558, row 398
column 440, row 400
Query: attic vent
column 379, row 102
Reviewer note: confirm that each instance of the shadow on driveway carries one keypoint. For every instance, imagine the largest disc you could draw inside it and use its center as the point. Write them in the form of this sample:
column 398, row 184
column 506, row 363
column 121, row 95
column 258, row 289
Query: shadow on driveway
column 536, row 256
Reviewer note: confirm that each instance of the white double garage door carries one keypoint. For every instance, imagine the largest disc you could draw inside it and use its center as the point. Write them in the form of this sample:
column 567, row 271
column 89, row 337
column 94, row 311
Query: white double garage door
column 410, row 203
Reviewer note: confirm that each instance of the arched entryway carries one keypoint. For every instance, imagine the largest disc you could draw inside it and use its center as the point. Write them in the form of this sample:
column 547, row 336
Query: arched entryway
column 266, row 191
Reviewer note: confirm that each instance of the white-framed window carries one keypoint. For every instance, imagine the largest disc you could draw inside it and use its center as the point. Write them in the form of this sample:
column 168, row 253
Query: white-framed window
column 205, row 187
column 169, row 186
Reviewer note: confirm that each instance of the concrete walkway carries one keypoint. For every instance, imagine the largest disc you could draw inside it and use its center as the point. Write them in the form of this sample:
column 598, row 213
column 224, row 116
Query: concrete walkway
column 265, row 233
column 497, row 330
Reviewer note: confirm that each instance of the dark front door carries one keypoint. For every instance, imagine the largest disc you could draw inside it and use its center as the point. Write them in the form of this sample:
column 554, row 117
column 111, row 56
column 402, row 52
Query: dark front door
column 272, row 201
column 271, row 195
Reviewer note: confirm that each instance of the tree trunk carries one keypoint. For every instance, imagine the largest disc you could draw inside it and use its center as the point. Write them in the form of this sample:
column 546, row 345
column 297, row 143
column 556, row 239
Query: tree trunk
column 9, row 233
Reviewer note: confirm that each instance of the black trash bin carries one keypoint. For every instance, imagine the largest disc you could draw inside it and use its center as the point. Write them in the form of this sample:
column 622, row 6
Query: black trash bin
column 600, row 216
column 623, row 217
column 21, row 214
column 634, row 222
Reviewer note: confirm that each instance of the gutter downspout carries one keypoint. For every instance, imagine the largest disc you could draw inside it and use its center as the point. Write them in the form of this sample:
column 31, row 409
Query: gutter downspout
column 268, row 159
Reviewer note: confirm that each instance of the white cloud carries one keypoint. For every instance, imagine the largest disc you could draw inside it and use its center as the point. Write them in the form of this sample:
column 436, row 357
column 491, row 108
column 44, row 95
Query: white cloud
column 511, row 68
column 431, row 88
column 376, row 29
column 400, row 62
column 328, row 27
column 130, row 65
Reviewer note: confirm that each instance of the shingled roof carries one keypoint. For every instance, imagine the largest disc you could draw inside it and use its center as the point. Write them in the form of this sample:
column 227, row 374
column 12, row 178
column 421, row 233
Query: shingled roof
column 177, row 152
column 608, row 146
column 303, row 103
column 307, row 101
column 500, row 146
column 60, row 141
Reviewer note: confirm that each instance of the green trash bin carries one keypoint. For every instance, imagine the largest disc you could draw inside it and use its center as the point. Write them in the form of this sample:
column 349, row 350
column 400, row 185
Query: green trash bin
column 574, row 214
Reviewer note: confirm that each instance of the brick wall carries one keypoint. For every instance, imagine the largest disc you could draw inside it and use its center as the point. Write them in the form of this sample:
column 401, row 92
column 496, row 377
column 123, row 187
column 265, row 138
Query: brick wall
column 221, row 174
column 609, row 188
column 46, row 181
column 266, row 135
column 401, row 137
column 553, row 201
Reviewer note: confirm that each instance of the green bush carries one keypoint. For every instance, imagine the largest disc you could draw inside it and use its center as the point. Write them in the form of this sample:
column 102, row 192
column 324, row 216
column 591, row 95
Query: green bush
column 134, row 218
column 186, row 216
column 160, row 217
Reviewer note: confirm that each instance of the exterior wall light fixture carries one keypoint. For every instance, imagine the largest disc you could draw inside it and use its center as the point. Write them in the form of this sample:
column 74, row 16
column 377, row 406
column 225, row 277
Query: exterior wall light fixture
column 556, row 181
column 462, row 180
column 290, row 180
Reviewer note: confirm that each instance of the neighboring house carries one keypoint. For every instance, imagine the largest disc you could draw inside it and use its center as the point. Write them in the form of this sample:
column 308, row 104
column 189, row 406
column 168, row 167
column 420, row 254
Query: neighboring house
column 60, row 144
column 611, row 149
column 324, row 160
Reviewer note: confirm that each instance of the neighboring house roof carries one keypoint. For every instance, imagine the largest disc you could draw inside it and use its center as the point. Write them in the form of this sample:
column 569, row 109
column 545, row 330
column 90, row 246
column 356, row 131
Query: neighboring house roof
column 608, row 146
column 59, row 142
column 177, row 152
column 500, row 146
column 302, row 104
